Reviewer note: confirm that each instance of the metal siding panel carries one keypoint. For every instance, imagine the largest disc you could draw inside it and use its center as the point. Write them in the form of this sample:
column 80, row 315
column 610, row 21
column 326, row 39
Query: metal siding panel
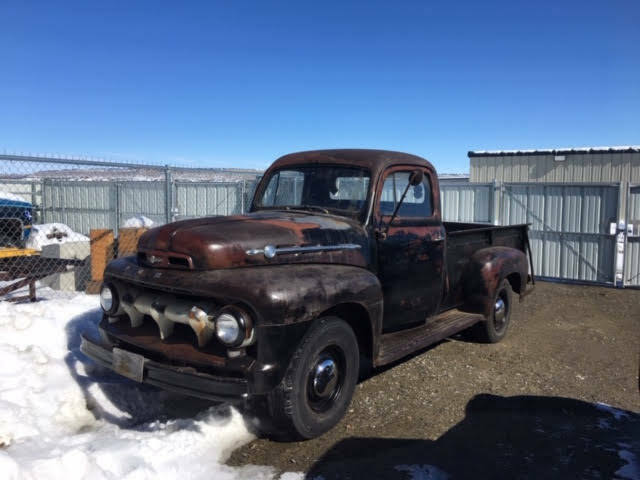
column 606, row 258
column 552, row 253
column 210, row 199
column 634, row 204
column 572, row 211
column 482, row 204
column 515, row 205
column 525, row 170
column 80, row 205
column 592, row 209
column 609, row 210
column 632, row 262
column 533, row 169
column 536, row 239
column 143, row 198
column 632, row 251
column 553, row 210
column 570, row 257
column 449, row 203
column 634, row 160
column 466, row 203
column 589, row 249
column 536, row 203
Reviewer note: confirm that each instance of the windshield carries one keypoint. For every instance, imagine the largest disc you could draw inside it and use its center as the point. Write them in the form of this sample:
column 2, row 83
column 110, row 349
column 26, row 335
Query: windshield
column 317, row 188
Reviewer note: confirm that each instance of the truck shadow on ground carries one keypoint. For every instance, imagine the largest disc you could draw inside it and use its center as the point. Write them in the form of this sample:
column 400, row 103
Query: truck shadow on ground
column 121, row 401
column 501, row 437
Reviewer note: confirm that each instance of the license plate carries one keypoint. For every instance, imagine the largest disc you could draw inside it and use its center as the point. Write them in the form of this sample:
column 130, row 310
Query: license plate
column 130, row 365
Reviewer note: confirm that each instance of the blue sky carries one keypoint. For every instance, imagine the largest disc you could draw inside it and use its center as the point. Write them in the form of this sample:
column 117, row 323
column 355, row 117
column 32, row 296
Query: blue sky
column 240, row 83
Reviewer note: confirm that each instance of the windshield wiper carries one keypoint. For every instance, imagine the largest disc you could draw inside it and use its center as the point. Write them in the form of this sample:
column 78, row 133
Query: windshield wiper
column 307, row 207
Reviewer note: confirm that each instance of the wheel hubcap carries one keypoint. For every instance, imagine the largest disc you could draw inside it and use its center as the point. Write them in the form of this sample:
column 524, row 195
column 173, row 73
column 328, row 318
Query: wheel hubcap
column 325, row 378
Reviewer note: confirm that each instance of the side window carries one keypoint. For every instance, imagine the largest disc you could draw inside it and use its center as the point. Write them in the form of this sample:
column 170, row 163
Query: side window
column 417, row 202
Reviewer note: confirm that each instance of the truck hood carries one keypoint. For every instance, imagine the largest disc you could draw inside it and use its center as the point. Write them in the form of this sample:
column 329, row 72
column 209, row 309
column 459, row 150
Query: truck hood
column 238, row 241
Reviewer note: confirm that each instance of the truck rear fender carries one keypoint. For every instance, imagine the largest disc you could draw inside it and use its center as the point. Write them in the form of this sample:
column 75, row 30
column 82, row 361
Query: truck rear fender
column 485, row 272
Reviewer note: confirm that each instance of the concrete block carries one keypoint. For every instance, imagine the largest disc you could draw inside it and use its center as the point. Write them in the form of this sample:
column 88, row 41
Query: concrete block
column 76, row 278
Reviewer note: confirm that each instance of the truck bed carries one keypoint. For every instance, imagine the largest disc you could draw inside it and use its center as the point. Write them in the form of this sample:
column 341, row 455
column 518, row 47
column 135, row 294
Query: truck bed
column 464, row 239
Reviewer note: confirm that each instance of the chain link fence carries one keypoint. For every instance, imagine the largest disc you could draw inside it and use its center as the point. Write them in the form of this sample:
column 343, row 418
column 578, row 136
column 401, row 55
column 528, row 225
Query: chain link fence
column 63, row 219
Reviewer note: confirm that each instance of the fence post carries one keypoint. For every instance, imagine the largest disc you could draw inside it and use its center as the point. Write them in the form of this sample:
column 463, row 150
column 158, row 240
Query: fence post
column 34, row 203
column 116, row 196
column 168, row 202
column 496, row 200
column 242, row 195
column 43, row 203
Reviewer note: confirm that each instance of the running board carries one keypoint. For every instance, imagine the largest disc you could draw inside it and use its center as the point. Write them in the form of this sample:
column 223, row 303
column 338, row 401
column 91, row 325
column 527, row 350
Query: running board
column 396, row 345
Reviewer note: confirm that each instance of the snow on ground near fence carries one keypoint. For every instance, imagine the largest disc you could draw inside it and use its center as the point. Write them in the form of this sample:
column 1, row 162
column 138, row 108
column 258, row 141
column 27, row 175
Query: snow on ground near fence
column 52, row 234
column 12, row 196
column 139, row 221
column 61, row 416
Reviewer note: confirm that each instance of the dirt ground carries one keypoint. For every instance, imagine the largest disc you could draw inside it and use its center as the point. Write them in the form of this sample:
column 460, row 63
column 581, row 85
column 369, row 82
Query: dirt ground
column 518, row 409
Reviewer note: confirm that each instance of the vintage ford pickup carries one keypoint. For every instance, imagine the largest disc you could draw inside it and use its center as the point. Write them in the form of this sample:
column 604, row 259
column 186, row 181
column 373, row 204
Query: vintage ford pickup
column 342, row 264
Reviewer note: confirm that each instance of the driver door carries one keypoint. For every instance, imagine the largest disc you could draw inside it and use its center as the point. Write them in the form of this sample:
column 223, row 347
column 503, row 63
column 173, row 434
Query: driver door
column 411, row 254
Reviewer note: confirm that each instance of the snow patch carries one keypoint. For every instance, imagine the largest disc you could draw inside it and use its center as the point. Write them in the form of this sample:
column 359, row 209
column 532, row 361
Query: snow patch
column 12, row 196
column 65, row 418
column 51, row 234
column 139, row 221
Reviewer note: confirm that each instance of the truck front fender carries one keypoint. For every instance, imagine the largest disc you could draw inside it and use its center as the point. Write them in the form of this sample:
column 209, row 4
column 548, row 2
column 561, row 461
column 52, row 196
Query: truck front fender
column 485, row 272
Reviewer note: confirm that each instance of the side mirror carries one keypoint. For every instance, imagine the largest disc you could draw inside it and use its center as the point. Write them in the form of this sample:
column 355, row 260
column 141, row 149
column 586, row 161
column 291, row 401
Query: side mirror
column 416, row 178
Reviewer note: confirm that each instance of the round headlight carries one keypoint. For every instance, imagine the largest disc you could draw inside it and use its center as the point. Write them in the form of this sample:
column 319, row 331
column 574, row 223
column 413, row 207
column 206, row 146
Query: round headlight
column 227, row 329
column 108, row 298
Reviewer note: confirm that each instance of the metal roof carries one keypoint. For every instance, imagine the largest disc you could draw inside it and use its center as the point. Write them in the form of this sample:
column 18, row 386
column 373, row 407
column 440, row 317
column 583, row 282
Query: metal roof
column 554, row 151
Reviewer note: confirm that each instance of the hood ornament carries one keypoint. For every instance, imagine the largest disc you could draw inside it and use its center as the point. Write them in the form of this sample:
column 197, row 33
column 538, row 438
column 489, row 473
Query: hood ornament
column 270, row 251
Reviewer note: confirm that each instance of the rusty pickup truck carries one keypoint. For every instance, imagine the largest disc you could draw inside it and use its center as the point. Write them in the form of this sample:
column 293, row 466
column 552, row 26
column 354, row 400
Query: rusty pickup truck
column 343, row 264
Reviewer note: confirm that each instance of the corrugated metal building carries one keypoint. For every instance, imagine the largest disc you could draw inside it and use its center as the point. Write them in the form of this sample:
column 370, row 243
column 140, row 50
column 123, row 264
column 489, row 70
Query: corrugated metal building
column 562, row 165
column 583, row 205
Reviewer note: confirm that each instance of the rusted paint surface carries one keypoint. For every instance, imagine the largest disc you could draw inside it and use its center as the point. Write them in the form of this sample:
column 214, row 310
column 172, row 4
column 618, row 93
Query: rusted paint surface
column 179, row 348
column 274, row 295
column 486, row 271
column 222, row 242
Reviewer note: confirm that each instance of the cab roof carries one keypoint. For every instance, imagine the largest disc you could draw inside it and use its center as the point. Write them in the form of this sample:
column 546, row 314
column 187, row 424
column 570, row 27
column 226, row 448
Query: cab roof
column 374, row 160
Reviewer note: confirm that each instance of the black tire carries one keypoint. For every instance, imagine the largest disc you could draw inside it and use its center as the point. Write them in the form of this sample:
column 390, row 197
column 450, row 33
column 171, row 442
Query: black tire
column 494, row 328
column 309, row 402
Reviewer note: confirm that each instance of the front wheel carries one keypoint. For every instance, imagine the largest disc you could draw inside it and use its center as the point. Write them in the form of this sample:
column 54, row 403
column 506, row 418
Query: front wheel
column 494, row 328
column 319, row 383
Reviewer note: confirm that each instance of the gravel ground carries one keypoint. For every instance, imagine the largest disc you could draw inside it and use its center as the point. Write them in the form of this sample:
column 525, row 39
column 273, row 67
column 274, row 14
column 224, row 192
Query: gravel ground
column 520, row 408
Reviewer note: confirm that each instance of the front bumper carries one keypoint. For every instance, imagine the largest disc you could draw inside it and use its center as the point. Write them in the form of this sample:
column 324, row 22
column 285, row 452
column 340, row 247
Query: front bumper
column 184, row 380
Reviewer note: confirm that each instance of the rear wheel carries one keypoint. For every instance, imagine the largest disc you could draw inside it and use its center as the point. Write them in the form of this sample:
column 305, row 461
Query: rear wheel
column 319, row 383
column 495, row 327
